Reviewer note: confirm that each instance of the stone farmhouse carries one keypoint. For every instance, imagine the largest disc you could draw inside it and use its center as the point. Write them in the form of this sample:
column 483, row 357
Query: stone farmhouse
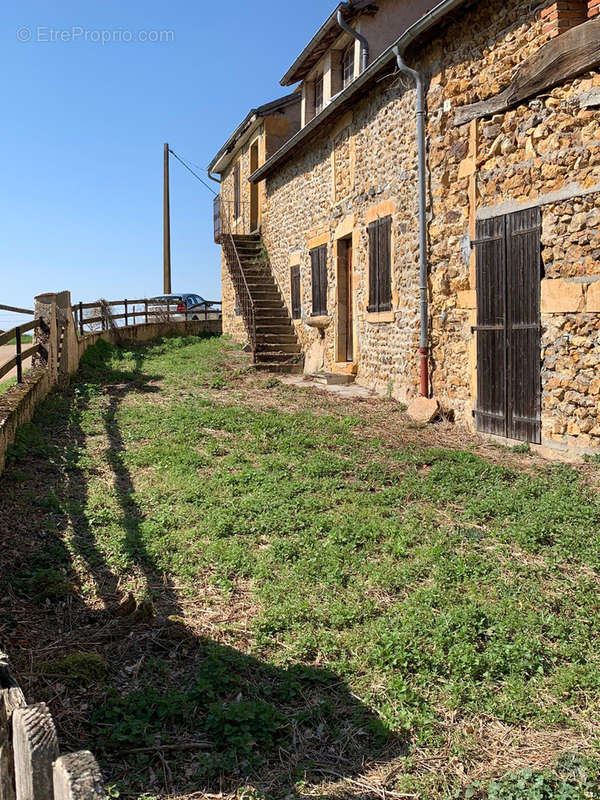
column 422, row 212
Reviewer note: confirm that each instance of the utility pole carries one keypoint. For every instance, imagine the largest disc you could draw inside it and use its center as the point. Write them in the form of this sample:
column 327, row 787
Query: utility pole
column 166, row 224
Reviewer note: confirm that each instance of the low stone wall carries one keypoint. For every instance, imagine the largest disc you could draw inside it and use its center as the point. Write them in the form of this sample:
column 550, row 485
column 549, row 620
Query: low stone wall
column 17, row 405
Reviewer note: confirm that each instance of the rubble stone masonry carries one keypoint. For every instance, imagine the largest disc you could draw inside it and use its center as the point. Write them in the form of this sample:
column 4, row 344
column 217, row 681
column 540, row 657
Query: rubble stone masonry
column 544, row 152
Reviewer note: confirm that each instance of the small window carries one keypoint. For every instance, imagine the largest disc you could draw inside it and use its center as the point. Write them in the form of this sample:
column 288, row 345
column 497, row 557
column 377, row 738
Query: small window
column 295, row 287
column 318, row 262
column 380, row 265
column 348, row 66
column 237, row 200
column 318, row 94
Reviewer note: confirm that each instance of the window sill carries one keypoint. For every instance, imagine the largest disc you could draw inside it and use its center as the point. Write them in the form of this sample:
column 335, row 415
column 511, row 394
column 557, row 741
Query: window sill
column 321, row 321
column 375, row 317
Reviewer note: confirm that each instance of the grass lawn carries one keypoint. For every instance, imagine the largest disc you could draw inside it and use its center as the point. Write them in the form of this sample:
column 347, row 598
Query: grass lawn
column 331, row 603
column 6, row 384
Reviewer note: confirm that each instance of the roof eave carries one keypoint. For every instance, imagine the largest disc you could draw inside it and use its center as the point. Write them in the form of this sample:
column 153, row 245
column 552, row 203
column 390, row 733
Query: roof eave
column 422, row 26
column 242, row 129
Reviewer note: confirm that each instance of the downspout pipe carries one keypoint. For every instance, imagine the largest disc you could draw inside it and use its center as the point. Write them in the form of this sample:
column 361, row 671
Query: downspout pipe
column 364, row 44
column 422, row 180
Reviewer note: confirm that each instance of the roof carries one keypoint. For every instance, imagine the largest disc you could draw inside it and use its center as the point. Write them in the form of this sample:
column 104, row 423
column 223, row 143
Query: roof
column 365, row 81
column 323, row 39
column 254, row 115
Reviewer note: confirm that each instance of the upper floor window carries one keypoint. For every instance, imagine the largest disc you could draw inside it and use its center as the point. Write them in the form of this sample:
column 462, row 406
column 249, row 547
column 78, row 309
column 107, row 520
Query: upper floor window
column 318, row 94
column 348, row 66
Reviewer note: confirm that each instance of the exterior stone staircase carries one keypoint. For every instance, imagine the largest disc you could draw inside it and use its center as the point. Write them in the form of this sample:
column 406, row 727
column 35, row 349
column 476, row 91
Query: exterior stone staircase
column 277, row 346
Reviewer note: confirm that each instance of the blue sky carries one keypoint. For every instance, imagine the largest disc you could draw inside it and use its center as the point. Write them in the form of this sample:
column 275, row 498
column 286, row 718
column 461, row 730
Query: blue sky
column 84, row 125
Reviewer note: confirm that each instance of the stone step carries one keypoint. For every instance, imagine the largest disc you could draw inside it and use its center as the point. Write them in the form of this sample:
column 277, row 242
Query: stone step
column 287, row 369
column 270, row 305
column 277, row 347
column 277, row 356
column 267, row 295
column 275, row 322
column 276, row 338
column 332, row 378
column 248, row 251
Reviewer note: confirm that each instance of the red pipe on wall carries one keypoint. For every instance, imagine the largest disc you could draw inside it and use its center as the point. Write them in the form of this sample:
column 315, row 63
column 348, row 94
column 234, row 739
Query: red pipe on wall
column 424, row 352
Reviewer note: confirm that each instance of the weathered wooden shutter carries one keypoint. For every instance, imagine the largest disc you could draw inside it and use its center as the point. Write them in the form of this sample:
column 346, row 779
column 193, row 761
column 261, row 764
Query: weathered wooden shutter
column 373, row 265
column 523, row 325
column 508, row 267
column 491, row 331
column 236, row 191
column 318, row 259
column 380, row 265
column 385, row 264
column 295, row 291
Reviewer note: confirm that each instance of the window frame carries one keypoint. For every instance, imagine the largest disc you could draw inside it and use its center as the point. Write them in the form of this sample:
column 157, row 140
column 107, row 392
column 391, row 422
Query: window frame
column 347, row 64
column 319, row 84
column 380, row 274
column 295, row 292
column 318, row 264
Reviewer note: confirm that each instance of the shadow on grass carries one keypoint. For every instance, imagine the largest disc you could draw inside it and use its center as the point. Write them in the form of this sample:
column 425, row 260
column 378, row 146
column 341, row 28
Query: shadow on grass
column 174, row 712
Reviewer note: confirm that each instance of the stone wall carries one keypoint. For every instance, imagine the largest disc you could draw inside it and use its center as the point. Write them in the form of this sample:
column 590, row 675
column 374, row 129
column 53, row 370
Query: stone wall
column 544, row 152
column 331, row 191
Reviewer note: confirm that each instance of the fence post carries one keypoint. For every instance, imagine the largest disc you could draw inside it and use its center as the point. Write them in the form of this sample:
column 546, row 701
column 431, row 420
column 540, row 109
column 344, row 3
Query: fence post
column 80, row 318
column 36, row 748
column 146, row 310
column 46, row 334
column 126, row 317
column 77, row 777
column 11, row 697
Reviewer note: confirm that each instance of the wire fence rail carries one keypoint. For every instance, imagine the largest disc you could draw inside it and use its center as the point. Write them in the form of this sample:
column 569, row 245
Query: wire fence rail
column 134, row 312
column 150, row 311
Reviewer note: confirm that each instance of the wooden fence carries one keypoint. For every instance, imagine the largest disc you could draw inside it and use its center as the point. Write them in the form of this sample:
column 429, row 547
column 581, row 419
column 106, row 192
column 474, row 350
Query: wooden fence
column 145, row 311
column 134, row 312
column 16, row 334
column 31, row 767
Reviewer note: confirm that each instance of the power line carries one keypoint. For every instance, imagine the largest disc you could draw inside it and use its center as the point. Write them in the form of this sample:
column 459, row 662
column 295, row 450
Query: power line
column 210, row 189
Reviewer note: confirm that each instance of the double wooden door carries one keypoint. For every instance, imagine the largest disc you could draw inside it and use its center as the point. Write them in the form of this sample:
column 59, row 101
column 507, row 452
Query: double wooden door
column 508, row 271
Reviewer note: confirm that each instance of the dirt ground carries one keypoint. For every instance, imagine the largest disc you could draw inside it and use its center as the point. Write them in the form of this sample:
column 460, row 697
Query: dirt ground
column 7, row 351
column 47, row 506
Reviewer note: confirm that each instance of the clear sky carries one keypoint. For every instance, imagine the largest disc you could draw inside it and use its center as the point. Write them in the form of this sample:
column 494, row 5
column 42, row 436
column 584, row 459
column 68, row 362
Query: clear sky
column 84, row 124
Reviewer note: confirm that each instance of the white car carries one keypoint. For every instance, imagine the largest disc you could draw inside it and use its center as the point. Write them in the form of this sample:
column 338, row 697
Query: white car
column 183, row 306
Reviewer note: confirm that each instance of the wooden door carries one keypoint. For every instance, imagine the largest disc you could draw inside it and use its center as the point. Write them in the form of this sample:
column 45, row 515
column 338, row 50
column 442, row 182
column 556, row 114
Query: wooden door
column 508, row 272
column 349, row 316
column 345, row 337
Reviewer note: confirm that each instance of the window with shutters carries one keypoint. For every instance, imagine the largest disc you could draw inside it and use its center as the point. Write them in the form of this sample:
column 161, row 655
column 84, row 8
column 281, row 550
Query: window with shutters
column 318, row 262
column 295, row 291
column 380, row 265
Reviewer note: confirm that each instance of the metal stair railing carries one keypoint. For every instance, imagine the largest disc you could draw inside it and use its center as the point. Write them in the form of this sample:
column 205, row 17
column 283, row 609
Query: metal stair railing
column 229, row 220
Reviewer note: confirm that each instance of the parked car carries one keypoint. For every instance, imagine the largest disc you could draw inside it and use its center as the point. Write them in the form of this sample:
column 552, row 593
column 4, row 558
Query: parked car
column 183, row 306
